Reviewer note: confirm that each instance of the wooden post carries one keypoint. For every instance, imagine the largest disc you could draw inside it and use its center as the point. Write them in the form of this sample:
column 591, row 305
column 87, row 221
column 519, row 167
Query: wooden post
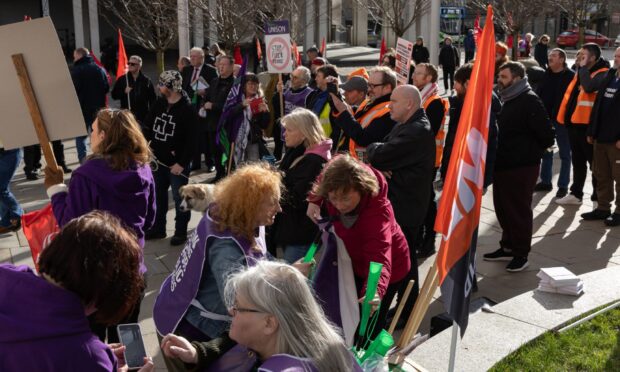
column 420, row 308
column 399, row 310
column 281, row 96
column 35, row 112
column 230, row 157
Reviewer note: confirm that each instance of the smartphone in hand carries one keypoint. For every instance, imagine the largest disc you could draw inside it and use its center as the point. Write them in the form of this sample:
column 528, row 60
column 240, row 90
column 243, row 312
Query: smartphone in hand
column 130, row 336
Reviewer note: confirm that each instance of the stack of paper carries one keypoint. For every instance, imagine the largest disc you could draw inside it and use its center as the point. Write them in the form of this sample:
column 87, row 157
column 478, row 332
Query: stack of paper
column 559, row 280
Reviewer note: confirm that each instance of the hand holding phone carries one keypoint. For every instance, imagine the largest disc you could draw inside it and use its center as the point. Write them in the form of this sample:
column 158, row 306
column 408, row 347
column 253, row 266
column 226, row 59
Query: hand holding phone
column 130, row 336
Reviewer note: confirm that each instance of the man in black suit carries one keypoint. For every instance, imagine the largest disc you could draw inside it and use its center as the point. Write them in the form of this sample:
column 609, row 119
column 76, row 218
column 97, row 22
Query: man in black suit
column 191, row 76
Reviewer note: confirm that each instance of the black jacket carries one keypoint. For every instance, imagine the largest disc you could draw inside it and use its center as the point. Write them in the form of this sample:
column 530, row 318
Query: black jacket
column 408, row 152
column 142, row 95
column 337, row 134
column 173, row 131
column 456, row 105
column 292, row 225
column 449, row 58
column 217, row 94
column 435, row 114
column 374, row 132
column 207, row 72
column 551, row 90
column 540, row 55
column 420, row 54
column 91, row 85
column 525, row 132
column 605, row 126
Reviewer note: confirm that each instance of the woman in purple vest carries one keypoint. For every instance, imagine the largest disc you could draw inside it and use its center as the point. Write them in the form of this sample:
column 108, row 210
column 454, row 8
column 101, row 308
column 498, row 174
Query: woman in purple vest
column 277, row 324
column 91, row 265
column 229, row 236
column 116, row 178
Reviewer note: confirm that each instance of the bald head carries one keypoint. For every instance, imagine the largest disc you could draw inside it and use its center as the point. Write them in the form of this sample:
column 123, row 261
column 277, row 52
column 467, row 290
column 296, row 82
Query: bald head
column 405, row 102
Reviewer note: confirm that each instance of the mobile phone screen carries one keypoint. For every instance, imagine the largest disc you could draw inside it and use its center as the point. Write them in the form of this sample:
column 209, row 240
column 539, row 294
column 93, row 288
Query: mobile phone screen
column 131, row 337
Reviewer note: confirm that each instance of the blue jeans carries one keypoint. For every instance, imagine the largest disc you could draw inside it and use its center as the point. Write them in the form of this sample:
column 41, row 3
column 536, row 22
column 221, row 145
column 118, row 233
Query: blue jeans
column 163, row 180
column 9, row 206
column 292, row 253
column 546, row 169
column 80, row 142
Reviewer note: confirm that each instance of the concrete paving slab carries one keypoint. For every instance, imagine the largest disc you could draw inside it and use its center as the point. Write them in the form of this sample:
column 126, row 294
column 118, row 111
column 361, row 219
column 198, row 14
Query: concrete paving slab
column 9, row 240
column 486, row 337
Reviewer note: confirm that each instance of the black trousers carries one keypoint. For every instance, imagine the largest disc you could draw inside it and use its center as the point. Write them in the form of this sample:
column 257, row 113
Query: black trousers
column 448, row 75
column 426, row 235
column 411, row 234
column 512, row 197
column 32, row 156
column 216, row 154
column 581, row 156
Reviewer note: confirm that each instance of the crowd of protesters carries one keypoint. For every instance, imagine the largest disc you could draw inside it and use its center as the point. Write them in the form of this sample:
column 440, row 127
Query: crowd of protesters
column 360, row 161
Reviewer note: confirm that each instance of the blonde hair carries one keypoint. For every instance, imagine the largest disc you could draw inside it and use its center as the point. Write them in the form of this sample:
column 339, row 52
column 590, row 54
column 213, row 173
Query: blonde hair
column 240, row 196
column 307, row 123
column 123, row 143
column 344, row 173
column 303, row 330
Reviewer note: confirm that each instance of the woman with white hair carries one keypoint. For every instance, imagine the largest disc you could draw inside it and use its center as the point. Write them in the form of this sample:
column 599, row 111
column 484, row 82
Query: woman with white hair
column 308, row 150
column 277, row 324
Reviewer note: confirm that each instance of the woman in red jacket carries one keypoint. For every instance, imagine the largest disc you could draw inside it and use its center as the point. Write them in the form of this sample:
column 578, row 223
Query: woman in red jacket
column 355, row 197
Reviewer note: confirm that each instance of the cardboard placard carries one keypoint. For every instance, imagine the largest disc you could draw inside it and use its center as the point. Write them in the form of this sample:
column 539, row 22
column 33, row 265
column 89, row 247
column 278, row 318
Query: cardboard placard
column 38, row 42
column 403, row 60
column 278, row 47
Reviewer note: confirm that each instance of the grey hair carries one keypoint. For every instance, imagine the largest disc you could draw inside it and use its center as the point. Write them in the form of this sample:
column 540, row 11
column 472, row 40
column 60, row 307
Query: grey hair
column 197, row 49
column 137, row 58
column 307, row 123
column 306, row 73
column 282, row 291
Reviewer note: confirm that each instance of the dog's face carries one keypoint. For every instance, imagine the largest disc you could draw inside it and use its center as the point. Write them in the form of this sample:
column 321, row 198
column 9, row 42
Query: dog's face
column 196, row 197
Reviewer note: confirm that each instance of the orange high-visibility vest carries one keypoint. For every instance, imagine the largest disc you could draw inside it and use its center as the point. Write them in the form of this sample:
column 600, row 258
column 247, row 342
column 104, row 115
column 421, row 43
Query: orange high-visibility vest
column 376, row 112
column 440, row 138
column 585, row 101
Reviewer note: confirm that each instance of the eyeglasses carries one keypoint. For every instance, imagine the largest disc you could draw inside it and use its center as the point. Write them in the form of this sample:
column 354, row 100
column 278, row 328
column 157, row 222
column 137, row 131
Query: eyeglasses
column 373, row 86
column 234, row 310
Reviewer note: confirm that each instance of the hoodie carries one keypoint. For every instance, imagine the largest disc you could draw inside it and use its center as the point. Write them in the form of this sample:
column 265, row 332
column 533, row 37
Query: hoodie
column 44, row 327
column 301, row 167
column 127, row 194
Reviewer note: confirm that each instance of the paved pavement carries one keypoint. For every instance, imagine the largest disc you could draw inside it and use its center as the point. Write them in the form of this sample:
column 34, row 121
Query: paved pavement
column 560, row 239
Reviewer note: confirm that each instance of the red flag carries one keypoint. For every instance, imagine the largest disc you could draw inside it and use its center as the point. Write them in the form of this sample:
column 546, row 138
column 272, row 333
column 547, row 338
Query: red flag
column 39, row 228
column 27, row 18
column 459, row 209
column 237, row 55
column 122, row 56
column 477, row 29
column 98, row 63
column 259, row 50
column 323, row 48
column 382, row 51
column 296, row 54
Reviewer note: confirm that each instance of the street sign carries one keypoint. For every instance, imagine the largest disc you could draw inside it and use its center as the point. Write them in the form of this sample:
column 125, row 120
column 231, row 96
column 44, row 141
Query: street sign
column 403, row 60
column 278, row 47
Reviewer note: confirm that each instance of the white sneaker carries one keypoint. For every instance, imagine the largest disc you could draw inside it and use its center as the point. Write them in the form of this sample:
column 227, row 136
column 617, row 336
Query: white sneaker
column 569, row 199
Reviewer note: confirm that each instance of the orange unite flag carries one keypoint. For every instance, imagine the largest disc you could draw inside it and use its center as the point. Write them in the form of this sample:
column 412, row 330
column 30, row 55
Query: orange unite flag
column 459, row 208
column 122, row 56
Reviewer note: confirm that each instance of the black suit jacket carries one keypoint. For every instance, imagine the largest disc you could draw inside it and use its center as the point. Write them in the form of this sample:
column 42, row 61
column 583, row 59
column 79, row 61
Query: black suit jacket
column 207, row 72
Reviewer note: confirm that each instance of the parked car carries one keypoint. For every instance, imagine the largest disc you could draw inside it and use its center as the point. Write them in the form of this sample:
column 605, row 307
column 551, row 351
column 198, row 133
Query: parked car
column 617, row 42
column 570, row 38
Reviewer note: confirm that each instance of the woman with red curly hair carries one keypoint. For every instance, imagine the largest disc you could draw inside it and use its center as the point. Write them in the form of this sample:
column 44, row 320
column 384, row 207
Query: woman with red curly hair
column 229, row 236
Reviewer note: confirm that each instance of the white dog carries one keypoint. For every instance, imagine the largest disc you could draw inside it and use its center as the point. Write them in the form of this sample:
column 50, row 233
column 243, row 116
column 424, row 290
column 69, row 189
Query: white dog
column 196, row 197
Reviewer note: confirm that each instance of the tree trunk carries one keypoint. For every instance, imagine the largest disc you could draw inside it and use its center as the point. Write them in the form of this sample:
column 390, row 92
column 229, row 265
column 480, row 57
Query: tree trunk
column 515, row 45
column 582, row 35
column 160, row 61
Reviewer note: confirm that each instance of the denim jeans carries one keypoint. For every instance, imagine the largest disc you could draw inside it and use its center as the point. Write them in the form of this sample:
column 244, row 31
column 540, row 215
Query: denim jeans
column 546, row 169
column 292, row 253
column 9, row 206
column 163, row 180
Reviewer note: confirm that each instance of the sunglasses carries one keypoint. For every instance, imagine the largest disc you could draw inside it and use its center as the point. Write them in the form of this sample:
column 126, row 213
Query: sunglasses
column 133, row 64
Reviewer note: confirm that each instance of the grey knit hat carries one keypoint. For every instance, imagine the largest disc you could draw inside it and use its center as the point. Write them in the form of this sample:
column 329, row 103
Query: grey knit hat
column 172, row 80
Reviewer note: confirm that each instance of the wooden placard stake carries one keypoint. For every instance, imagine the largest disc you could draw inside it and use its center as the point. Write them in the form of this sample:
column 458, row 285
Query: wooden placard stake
column 35, row 112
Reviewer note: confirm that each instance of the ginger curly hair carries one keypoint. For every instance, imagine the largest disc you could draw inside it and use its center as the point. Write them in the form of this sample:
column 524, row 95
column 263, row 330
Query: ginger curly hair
column 240, row 196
